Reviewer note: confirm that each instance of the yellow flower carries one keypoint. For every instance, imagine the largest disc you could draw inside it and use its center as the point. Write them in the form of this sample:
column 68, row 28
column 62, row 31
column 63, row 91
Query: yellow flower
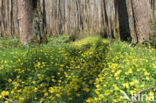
column 130, row 71
column 151, row 94
column 89, row 100
column 107, row 92
column 115, row 87
column 69, row 98
column 35, row 98
column 58, row 95
column 9, row 80
column 15, row 84
column 38, row 65
column 126, row 85
column 136, row 81
column 4, row 93
column 45, row 94
column 86, row 89
column 51, row 90
column 53, row 80
column 21, row 100
column 147, row 78
column 48, row 79
column 78, row 95
column 2, row 67
column 97, row 92
column 132, row 83
column 146, row 73
column 35, row 89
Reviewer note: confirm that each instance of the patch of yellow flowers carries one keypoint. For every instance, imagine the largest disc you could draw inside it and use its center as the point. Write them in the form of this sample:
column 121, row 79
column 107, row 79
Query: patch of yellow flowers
column 92, row 75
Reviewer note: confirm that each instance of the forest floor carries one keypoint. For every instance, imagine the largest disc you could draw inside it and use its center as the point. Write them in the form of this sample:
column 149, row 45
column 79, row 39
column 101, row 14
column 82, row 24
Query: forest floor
column 90, row 70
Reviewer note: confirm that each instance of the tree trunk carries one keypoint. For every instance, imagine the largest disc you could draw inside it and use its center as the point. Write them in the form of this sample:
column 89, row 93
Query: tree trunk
column 141, row 20
column 123, row 20
column 24, row 17
column 116, row 20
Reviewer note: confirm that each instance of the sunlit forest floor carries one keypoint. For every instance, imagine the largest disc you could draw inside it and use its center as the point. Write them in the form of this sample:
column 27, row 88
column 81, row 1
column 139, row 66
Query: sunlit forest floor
column 91, row 70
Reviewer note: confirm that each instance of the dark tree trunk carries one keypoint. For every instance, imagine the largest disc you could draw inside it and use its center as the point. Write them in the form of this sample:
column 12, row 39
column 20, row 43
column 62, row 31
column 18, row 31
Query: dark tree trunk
column 123, row 20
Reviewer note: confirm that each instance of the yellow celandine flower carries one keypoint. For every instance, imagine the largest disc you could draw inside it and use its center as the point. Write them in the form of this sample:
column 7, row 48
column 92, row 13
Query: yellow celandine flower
column 95, row 100
column 53, row 80
column 132, row 92
column 107, row 92
column 86, row 89
column 142, row 86
column 125, row 101
column 9, row 80
column 97, row 92
column 146, row 73
column 34, row 82
column 48, row 79
column 45, row 94
column 38, row 65
column 35, row 98
column 147, row 78
column 58, row 95
column 12, row 92
column 115, row 87
column 126, row 85
column 101, row 96
column 1, row 67
column 136, row 81
column 35, row 89
column 98, row 86
column 131, row 83
column 151, row 94
column 130, row 71
column 118, row 72
column 138, row 70
column 6, row 101
column 150, row 98
column 78, row 95
column 15, row 84
column 115, row 100
column 117, row 78
column 89, row 100
column 69, row 98
column 41, row 100
column 51, row 90
column 21, row 100
column 4, row 93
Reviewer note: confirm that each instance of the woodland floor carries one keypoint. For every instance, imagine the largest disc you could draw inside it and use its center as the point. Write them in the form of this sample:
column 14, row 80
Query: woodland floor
column 90, row 70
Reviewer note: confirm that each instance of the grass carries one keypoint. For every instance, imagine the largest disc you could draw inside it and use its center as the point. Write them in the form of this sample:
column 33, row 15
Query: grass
column 88, row 70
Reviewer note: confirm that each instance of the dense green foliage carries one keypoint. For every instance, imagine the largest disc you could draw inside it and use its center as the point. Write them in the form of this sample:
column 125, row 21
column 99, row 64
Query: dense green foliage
column 88, row 70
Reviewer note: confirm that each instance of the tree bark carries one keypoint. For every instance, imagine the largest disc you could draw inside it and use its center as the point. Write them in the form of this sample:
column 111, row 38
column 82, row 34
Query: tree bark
column 25, row 19
column 141, row 20
column 123, row 20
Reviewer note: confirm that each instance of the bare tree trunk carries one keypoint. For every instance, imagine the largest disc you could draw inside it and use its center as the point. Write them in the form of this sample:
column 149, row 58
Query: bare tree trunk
column 24, row 17
column 116, row 20
column 142, row 26
column 99, row 15
column 123, row 20
column 130, row 16
column 153, row 4
column 92, row 4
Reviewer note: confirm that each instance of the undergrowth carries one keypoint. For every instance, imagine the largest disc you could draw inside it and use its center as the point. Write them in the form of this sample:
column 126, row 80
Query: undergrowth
column 88, row 70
